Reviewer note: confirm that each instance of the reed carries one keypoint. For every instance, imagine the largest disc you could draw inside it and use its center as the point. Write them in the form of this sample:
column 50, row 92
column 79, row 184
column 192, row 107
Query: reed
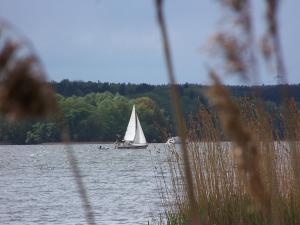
column 253, row 178
column 25, row 94
column 226, row 189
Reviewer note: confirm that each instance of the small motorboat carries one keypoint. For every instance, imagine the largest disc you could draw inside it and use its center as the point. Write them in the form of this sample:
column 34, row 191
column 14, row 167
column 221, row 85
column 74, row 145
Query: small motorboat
column 173, row 140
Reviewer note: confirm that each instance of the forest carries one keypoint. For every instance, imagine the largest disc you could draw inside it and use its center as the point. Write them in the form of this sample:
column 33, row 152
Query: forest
column 98, row 112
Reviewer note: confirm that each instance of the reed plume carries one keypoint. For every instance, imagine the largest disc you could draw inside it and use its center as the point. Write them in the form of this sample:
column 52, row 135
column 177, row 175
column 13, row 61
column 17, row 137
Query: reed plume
column 246, row 149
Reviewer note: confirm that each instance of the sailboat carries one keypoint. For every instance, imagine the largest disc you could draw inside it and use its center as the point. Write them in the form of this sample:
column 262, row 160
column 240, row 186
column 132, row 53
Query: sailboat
column 134, row 136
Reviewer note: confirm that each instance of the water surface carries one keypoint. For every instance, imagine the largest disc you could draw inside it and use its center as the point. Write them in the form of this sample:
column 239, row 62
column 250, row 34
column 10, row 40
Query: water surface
column 37, row 186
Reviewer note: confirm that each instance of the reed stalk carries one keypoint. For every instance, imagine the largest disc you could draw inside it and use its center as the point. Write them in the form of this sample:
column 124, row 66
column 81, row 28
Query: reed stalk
column 181, row 127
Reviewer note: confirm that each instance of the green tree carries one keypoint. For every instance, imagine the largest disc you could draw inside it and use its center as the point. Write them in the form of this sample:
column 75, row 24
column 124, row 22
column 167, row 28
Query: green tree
column 43, row 132
column 152, row 119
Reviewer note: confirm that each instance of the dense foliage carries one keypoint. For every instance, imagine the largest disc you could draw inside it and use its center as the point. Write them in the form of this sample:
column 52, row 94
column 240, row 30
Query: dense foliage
column 192, row 95
column 93, row 117
column 100, row 111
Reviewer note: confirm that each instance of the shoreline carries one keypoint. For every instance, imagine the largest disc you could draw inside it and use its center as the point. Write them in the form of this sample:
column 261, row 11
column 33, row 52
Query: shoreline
column 61, row 143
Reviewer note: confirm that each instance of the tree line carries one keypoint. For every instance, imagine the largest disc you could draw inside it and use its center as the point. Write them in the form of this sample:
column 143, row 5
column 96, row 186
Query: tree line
column 192, row 95
column 95, row 111
column 90, row 118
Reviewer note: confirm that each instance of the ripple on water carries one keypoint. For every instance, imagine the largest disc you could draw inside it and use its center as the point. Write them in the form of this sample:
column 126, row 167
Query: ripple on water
column 37, row 186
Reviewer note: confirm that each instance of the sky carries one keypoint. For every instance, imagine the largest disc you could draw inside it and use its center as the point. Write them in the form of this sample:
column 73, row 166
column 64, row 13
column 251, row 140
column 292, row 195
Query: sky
column 119, row 41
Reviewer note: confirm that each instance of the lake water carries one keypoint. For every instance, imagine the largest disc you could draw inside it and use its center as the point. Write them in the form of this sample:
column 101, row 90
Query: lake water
column 37, row 186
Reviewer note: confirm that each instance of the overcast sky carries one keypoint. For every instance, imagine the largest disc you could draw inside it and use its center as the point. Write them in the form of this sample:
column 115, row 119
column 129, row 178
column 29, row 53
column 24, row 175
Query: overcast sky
column 118, row 40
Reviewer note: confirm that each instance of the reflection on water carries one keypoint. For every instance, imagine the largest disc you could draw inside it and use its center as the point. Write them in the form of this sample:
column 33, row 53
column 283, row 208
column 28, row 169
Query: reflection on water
column 37, row 187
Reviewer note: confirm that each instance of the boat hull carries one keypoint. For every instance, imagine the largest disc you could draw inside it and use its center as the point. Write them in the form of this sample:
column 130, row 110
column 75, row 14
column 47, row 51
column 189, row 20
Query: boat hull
column 130, row 146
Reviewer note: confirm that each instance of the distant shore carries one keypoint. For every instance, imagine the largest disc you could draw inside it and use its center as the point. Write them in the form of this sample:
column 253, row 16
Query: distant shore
column 60, row 143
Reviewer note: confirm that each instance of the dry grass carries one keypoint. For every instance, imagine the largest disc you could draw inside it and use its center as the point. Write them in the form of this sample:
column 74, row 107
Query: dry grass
column 254, row 178
column 236, row 187
column 178, row 114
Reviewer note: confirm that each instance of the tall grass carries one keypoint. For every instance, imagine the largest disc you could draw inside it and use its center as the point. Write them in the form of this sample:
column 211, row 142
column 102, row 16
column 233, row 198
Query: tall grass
column 254, row 177
column 226, row 192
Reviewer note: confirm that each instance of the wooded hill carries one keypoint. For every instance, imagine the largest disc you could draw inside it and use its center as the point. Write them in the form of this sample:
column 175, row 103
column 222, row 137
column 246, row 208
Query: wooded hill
column 96, row 111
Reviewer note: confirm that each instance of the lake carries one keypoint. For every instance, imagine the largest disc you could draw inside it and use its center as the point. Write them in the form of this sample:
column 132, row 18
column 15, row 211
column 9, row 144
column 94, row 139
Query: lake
column 37, row 186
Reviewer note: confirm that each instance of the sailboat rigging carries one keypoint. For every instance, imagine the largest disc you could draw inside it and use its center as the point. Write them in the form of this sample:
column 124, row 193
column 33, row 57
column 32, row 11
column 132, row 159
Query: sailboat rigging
column 134, row 135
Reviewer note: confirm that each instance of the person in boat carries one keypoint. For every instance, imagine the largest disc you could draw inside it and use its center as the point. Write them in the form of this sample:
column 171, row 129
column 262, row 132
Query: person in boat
column 103, row 147
column 118, row 138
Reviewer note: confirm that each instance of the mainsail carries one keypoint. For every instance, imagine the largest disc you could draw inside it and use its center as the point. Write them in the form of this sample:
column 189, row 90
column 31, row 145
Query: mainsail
column 130, row 132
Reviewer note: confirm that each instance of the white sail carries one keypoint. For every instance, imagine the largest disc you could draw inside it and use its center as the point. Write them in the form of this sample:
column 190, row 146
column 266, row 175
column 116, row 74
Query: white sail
column 134, row 136
column 139, row 134
column 131, row 128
